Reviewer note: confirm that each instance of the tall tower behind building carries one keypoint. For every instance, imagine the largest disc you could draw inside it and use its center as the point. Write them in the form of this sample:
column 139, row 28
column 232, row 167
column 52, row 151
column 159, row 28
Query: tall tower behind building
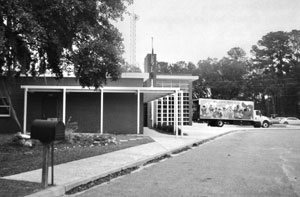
column 132, row 44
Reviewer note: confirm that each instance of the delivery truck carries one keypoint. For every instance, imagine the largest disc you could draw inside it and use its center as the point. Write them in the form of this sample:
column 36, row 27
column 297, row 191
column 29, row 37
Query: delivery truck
column 219, row 112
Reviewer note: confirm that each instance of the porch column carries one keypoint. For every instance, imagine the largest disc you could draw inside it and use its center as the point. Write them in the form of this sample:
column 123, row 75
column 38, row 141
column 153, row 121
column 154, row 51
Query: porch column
column 156, row 112
column 138, row 111
column 176, row 112
column 101, row 110
column 25, row 111
column 161, row 110
column 64, row 106
column 181, row 112
column 152, row 114
column 167, row 110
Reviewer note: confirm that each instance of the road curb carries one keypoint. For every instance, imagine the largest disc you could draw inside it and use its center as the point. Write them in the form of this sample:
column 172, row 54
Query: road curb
column 58, row 191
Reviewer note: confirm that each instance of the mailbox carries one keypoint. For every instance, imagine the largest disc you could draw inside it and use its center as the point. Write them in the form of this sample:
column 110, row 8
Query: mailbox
column 47, row 131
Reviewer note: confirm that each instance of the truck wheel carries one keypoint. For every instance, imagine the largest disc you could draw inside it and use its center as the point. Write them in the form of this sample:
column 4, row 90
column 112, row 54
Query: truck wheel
column 220, row 123
column 265, row 124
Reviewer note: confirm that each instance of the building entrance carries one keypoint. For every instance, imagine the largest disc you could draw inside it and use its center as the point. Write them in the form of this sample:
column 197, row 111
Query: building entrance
column 50, row 107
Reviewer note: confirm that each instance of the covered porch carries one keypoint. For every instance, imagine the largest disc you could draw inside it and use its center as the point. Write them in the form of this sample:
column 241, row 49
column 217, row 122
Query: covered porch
column 110, row 108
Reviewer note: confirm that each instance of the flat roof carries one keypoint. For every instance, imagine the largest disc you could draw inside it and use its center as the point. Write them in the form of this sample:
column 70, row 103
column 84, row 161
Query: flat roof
column 178, row 77
column 135, row 75
column 144, row 76
column 123, row 75
column 150, row 93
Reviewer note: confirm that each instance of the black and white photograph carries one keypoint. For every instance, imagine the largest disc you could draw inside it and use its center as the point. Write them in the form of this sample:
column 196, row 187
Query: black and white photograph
column 148, row 98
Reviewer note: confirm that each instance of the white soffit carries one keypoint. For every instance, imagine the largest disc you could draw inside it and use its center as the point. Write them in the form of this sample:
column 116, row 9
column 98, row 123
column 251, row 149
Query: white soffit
column 143, row 76
column 178, row 77
column 150, row 93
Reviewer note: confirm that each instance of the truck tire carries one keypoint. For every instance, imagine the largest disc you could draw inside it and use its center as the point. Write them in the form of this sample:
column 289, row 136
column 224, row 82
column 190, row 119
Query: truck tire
column 265, row 124
column 220, row 123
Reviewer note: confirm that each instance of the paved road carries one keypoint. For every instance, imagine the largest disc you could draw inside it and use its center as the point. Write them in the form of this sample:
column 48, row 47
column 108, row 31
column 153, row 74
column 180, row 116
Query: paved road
column 263, row 162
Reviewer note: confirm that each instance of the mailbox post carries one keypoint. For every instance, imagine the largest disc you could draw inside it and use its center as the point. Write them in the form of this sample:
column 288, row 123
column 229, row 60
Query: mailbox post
column 45, row 167
column 47, row 132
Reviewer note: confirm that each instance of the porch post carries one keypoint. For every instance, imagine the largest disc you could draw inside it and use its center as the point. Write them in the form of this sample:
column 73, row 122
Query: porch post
column 101, row 110
column 138, row 111
column 64, row 106
column 161, row 111
column 181, row 112
column 152, row 114
column 156, row 112
column 174, row 116
column 176, row 112
column 25, row 110
column 167, row 110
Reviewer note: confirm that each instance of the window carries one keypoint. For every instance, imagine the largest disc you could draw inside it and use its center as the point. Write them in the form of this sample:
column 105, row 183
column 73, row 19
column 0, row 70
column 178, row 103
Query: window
column 4, row 107
column 291, row 118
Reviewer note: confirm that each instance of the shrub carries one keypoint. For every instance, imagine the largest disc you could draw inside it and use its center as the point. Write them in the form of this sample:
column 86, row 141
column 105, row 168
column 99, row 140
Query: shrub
column 164, row 127
column 71, row 128
column 169, row 129
column 159, row 127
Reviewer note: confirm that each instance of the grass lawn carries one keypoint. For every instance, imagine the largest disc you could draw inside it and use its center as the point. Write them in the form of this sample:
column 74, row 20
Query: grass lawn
column 15, row 159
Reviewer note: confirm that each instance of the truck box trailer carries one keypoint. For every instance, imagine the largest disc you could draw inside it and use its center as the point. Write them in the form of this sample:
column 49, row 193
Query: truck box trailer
column 219, row 112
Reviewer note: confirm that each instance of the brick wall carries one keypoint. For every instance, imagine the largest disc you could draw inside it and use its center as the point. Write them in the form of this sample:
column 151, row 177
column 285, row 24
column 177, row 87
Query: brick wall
column 120, row 111
column 83, row 107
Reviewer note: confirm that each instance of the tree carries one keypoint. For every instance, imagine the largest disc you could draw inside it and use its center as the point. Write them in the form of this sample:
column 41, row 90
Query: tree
column 182, row 67
column 191, row 67
column 40, row 36
column 60, row 36
column 130, row 68
column 294, row 42
column 229, row 84
column 221, row 79
column 294, row 75
column 273, row 53
column 205, row 71
column 178, row 67
column 294, row 37
column 276, row 58
column 236, row 53
column 163, row 68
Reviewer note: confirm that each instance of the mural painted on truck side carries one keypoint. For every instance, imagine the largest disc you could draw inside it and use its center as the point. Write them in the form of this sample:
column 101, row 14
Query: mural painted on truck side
column 226, row 109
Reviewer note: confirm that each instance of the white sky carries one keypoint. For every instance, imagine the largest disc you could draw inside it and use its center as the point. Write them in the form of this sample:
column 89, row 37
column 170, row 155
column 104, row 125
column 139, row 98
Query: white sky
column 192, row 30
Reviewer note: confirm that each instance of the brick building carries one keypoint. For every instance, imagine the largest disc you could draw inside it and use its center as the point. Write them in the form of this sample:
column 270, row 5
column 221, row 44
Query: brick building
column 162, row 111
column 120, row 107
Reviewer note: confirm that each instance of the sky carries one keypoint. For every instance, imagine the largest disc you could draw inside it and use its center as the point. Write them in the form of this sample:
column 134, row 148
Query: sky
column 193, row 30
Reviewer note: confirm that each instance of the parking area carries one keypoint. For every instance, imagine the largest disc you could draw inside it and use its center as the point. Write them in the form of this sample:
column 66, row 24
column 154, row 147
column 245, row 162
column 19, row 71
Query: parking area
column 202, row 130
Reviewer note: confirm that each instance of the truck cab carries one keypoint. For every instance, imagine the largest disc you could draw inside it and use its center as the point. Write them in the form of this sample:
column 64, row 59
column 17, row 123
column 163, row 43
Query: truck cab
column 260, row 120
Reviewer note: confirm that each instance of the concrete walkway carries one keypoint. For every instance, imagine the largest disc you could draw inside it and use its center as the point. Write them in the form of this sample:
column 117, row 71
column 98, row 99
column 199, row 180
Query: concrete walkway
column 72, row 174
